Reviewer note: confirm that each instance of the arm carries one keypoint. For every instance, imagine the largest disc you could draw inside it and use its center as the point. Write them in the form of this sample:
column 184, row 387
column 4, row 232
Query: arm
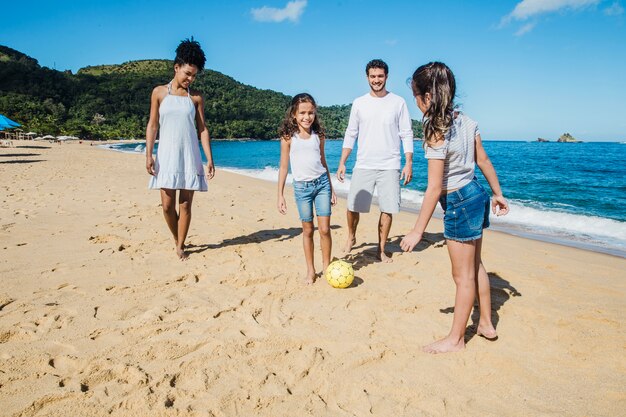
column 151, row 129
column 341, row 170
column 203, row 134
column 431, row 196
column 333, row 196
column 406, row 135
column 282, row 175
column 352, row 131
column 499, row 205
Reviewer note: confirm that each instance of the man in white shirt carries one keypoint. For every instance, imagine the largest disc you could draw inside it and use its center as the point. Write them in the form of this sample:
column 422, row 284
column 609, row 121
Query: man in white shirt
column 379, row 120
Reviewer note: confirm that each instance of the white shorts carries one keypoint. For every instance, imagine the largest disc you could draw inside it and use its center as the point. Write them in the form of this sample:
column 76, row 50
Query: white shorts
column 387, row 184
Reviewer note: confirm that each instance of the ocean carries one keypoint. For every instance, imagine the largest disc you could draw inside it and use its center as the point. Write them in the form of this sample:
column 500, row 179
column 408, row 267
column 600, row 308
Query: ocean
column 567, row 193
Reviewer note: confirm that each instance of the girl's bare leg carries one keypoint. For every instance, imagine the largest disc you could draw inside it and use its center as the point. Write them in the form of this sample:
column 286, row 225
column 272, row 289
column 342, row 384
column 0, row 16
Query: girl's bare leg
column 168, row 202
column 485, row 326
column 326, row 242
column 462, row 255
column 185, row 199
column 307, row 241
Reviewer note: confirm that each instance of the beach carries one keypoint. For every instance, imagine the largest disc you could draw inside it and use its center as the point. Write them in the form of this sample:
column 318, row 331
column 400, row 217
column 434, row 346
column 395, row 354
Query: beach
column 98, row 317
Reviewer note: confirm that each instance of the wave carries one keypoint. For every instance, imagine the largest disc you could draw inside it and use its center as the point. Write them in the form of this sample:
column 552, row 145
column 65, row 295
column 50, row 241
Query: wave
column 526, row 218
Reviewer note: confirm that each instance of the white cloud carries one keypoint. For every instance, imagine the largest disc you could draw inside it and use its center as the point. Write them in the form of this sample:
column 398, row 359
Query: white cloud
column 614, row 10
column 391, row 42
column 525, row 29
column 292, row 11
column 527, row 9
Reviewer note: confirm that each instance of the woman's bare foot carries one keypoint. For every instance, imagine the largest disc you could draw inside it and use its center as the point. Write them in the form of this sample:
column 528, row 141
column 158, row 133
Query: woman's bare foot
column 348, row 246
column 382, row 256
column 487, row 331
column 445, row 345
column 182, row 255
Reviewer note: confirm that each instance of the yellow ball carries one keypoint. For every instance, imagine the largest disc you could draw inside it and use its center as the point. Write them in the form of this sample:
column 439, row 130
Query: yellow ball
column 339, row 274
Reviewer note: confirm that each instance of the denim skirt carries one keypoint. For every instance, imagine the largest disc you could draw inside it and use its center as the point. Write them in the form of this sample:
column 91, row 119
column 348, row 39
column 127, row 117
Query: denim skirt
column 466, row 212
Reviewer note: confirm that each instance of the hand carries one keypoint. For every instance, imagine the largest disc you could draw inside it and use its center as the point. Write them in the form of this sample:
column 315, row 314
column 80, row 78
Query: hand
column 150, row 165
column 210, row 170
column 407, row 174
column 499, row 205
column 410, row 241
column 333, row 198
column 341, row 172
column 282, row 205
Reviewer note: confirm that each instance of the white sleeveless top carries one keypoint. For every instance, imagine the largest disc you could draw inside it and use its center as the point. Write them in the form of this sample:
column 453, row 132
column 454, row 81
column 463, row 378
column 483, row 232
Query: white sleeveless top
column 178, row 162
column 305, row 158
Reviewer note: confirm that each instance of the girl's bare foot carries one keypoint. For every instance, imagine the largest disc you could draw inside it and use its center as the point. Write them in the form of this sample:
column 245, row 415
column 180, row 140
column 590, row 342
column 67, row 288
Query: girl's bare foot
column 445, row 345
column 348, row 246
column 487, row 331
column 309, row 278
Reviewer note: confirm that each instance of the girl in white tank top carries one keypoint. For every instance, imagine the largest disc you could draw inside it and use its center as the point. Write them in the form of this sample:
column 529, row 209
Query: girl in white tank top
column 302, row 147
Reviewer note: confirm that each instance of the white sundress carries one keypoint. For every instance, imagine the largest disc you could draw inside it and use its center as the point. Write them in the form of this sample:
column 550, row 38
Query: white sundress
column 178, row 164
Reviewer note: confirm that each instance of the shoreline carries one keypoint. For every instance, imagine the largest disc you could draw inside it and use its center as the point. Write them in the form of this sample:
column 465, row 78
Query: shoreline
column 565, row 238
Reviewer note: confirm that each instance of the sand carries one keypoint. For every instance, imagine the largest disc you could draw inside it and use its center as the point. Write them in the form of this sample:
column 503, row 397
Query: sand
column 98, row 317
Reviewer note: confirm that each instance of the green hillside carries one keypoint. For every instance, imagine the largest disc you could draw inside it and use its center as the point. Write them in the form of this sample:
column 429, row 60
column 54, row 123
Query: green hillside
column 113, row 101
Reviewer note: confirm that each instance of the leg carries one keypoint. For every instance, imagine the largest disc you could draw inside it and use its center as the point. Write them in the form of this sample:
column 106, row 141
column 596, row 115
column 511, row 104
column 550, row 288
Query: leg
column 168, row 202
column 388, row 186
column 485, row 327
column 307, row 241
column 184, row 219
column 353, row 221
column 384, row 226
column 462, row 255
column 359, row 201
column 323, row 226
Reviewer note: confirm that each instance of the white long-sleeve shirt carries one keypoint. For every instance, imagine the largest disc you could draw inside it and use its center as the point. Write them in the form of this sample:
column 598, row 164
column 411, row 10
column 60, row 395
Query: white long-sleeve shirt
column 379, row 124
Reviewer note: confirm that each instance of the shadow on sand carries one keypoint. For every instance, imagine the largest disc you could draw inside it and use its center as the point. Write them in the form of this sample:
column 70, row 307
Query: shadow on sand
column 22, row 161
column 501, row 291
column 369, row 251
column 278, row 235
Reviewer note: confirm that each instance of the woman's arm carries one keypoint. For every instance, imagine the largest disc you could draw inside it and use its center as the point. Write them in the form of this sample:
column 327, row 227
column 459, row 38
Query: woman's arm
column 282, row 175
column 152, row 128
column 203, row 134
column 431, row 197
column 499, row 205
column 333, row 196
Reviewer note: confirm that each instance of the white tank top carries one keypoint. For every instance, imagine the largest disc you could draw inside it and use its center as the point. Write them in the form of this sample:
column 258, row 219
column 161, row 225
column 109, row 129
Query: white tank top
column 305, row 158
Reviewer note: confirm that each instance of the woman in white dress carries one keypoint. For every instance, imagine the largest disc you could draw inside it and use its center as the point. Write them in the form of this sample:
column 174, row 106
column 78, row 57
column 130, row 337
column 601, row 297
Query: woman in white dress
column 177, row 115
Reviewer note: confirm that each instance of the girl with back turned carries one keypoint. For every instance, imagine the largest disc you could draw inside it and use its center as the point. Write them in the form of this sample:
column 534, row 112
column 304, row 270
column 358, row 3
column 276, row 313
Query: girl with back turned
column 453, row 147
column 302, row 145
column 177, row 114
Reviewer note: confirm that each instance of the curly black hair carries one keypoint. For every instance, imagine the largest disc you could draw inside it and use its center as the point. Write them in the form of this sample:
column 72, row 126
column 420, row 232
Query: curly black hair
column 190, row 52
column 377, row 63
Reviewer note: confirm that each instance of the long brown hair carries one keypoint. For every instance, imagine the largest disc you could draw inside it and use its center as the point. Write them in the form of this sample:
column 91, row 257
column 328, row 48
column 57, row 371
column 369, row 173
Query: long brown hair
column 436, row 79
column 289, row 126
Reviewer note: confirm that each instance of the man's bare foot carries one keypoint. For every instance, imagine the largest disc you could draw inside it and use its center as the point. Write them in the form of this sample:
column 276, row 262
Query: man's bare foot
column 445, row 345
column 487, row 331
column 348, row 246
column 182, row 255
column 382, row 256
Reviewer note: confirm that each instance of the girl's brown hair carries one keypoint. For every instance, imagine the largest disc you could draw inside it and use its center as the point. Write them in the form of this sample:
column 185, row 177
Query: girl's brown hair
column 289, row 126
column 436, row 79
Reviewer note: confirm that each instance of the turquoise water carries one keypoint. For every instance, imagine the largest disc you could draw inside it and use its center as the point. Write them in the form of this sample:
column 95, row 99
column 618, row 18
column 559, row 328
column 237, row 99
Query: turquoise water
column 573, row 193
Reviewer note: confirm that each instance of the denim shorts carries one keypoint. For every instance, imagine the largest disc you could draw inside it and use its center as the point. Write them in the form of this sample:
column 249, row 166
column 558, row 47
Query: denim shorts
column 308, row 193
column 466, row 212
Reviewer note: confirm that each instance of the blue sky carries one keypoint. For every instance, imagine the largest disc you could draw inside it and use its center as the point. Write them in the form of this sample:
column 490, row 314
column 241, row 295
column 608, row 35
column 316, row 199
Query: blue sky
column 525, row 68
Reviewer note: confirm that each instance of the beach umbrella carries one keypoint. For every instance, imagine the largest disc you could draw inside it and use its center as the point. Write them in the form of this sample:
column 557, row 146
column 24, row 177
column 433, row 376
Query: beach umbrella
column 48, row 137
column 7, row 123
